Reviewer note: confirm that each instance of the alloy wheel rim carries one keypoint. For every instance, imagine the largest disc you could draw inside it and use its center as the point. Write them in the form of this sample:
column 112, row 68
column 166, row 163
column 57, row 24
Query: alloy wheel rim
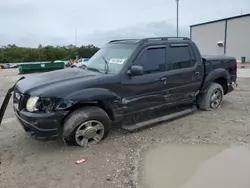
column 89, row 133
column 216, row 99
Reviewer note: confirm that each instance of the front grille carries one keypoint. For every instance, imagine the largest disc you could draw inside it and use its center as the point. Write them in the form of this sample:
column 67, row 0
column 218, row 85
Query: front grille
column 19, row 99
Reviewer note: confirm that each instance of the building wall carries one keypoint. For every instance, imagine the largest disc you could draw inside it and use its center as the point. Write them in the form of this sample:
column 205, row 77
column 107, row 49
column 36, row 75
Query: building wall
column 238, row 38
column 236, row 31
column 206, row 37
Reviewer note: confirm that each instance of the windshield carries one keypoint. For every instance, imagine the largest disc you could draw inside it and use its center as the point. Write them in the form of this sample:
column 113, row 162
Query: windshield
column 111, row 58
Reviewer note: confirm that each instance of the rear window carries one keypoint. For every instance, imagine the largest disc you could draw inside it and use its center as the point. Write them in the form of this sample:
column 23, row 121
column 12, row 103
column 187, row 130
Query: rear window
column 179, row 57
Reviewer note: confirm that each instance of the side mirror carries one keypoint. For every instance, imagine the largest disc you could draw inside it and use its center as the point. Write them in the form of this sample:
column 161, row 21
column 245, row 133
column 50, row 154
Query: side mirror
column 135, row 70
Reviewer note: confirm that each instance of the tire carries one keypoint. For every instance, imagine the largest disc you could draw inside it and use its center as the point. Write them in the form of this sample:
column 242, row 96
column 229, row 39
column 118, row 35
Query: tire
column 207, row 100
column 85, row 121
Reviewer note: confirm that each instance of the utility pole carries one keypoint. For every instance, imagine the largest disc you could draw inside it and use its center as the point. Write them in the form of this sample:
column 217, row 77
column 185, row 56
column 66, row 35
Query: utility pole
column 76, row 36
column 177, row 18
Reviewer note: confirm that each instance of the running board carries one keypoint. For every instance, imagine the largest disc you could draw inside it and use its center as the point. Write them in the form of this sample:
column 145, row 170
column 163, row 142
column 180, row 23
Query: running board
column 160, row 119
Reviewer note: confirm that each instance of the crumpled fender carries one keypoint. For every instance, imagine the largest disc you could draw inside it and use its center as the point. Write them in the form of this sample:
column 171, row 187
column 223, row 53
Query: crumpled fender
column 109, row 99
column 92, row 94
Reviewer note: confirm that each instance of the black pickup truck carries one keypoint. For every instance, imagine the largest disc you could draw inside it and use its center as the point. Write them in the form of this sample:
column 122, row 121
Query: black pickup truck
column 129, row 83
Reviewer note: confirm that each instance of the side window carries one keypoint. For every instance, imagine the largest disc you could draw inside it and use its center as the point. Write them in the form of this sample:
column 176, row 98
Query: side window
column 179, row 57
column 152, row 60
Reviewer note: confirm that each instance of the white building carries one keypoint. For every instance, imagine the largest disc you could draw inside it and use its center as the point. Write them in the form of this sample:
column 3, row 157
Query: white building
column 229, row 36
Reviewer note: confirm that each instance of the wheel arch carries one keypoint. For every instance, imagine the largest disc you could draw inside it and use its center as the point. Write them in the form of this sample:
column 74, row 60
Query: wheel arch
column 223, row 82
column 220, row 76
column 97, row 103
column 99, row 97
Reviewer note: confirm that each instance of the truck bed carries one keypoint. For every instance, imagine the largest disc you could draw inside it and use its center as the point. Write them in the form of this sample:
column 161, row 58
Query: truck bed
column 220, row 61
column 217, row 57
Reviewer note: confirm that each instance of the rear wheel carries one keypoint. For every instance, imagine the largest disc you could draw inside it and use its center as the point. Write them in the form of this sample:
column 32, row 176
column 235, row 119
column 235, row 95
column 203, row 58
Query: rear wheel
column 85, row 127
column 212, row 99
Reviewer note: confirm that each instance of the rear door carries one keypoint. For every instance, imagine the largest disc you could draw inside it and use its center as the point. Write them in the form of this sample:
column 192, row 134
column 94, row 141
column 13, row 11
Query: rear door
column 185, row 72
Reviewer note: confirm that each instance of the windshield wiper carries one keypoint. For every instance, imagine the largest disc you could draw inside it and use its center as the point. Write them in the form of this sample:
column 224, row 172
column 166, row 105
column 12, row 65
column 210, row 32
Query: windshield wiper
column 92, row 69
column 89, row 68
column 107, row 65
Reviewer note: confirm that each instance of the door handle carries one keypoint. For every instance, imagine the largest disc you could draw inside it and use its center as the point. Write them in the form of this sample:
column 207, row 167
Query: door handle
column 197, row 73
column 163, row 79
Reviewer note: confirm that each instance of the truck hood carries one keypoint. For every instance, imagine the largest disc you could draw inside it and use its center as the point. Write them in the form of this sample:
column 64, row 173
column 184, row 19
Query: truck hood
column 56, row 83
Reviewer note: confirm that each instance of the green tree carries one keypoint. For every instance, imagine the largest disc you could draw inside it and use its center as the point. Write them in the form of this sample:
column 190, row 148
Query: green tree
column 12, row 53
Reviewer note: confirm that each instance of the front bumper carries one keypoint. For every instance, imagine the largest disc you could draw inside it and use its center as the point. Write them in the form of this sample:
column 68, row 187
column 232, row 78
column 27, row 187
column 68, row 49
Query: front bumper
column 40, row 125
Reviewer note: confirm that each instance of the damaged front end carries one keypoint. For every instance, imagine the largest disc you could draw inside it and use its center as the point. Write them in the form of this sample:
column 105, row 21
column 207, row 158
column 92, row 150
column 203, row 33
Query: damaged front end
column 6, row 100
column 40, row 117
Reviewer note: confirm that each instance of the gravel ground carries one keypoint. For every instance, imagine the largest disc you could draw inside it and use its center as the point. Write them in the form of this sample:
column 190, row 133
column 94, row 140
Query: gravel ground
column 118, row 160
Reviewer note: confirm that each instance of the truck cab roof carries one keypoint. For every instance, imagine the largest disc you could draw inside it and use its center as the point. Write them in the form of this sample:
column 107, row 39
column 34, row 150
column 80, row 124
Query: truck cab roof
column 143, row 40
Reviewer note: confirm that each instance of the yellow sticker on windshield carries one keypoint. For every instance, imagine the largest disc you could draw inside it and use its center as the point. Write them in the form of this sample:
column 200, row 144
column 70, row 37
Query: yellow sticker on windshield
column 117, row 61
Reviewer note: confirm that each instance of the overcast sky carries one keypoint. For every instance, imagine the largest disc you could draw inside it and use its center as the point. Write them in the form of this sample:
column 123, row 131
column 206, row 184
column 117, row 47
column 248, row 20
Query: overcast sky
column 53, row 22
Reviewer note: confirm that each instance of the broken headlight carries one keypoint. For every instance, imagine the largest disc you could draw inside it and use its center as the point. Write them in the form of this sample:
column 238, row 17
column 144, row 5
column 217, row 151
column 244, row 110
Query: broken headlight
column 31, row 104
column 65, row 104
column 37, row 104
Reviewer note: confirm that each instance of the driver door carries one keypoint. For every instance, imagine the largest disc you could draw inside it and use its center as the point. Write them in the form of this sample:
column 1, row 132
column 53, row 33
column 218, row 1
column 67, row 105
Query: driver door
column 144, row 92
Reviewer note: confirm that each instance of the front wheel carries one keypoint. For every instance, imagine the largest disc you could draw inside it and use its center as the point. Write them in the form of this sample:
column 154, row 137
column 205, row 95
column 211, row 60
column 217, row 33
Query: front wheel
column 85, row 127
column 213, row 97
